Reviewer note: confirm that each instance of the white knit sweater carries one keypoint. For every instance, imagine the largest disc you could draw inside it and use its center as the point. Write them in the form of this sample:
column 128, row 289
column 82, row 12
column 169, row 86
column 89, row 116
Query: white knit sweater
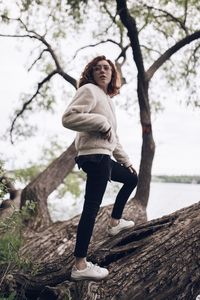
column 90, row 113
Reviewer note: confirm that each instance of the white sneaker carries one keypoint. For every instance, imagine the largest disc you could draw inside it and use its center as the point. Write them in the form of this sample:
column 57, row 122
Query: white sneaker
column 90, row 272
column 123, row 224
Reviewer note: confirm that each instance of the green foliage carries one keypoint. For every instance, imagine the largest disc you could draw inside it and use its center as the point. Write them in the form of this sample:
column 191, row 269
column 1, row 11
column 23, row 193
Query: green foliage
column 4, row 16
column 51, row 151
column 27, row 174
column 160, row 23
column 11, row 238
column 76, row 6
column 3, row 188
column 46, row 99
column 25, row 4
column 10, row 297
column 71, row 184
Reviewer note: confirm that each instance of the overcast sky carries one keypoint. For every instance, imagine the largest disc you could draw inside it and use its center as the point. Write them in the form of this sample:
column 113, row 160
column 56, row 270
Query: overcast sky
column 176, row 130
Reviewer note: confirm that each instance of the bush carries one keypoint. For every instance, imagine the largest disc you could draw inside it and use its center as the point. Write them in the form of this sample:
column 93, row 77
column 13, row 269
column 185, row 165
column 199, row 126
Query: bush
column 11, row 238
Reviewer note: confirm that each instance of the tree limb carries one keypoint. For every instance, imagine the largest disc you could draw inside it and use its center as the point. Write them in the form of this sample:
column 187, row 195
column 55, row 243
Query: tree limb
column 58, row 70
column 185, row 11
column 39, row 57
column 169, row 52
column 113, row 18
column 94, row 45
column 123, row 53
column 130, row 24
column 27, row 103
column 168, row 14
column 37, row 37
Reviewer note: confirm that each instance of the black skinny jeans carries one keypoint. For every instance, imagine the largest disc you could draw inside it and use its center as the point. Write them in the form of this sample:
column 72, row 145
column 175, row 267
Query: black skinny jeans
column 98, row 174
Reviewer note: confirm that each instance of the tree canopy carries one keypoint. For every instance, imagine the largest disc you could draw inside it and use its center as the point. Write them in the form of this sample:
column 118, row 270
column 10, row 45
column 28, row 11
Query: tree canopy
column 57, row 31
column 61, row 36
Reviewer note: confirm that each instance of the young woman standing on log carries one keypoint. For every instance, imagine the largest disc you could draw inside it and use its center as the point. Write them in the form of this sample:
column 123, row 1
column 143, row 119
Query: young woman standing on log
column 91, row 113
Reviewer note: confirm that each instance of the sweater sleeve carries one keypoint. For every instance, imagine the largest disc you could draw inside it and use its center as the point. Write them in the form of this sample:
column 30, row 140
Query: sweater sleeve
column 120, row 155
column 78, row 115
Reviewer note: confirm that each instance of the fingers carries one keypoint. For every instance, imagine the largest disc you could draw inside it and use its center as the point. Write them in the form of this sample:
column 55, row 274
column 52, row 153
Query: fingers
column 106, row 135
column 132, row 170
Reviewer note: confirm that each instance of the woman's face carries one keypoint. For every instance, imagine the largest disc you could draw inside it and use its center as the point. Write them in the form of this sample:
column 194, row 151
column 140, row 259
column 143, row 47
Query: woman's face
column 102, row 73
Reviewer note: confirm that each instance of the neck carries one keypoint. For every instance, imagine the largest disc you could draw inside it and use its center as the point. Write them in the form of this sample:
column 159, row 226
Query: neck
column 104, row 88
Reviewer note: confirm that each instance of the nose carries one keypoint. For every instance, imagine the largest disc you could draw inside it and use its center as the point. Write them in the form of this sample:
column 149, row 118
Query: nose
column 102, row 70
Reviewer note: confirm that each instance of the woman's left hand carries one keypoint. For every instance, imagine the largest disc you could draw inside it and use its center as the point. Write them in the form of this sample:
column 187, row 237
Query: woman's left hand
column 132, row 170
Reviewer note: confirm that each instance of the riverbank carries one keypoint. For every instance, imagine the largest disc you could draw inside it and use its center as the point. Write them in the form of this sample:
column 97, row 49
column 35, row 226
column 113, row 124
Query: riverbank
column 177, row 179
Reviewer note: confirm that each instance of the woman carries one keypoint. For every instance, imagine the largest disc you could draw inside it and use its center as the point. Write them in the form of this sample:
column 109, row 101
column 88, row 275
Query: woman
column 92, row 115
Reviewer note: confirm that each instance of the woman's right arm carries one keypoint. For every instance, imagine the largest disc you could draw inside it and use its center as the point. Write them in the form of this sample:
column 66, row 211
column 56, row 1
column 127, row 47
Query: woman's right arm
column 78, row 115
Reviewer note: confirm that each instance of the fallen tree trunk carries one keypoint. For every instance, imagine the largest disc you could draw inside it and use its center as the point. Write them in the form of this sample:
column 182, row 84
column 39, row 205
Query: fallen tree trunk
column 155, row 260
column 60, row 236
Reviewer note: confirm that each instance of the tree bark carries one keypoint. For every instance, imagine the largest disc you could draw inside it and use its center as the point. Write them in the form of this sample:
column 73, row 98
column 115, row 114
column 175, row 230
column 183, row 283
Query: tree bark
column 148, row 145
column 8, row 206
column 155, row 260
column 45, row 183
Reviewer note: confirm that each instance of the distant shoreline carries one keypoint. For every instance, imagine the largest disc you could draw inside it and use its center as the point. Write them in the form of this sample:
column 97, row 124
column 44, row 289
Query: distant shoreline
column 176, row 179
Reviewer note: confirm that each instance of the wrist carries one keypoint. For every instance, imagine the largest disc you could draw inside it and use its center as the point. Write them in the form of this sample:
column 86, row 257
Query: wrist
column 105, row 132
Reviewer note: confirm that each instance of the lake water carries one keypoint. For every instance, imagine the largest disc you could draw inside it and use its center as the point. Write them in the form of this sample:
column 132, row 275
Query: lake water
column 164, row 199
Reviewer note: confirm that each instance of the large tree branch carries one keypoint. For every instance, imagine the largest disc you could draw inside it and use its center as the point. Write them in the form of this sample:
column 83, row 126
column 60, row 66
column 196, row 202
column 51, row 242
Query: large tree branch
column 46, row 182
column 168, row 53
column 68, row 78
column 129, row 22
column 154, row 260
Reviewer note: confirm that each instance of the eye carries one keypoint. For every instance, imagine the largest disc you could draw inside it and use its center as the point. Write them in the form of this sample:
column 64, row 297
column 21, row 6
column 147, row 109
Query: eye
column 97, row 68
column 106, row 68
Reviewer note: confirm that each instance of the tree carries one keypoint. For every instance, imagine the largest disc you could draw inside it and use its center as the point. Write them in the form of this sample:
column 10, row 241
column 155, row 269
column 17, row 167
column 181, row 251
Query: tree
column 154, row 260
column 141, row 253
column 180, row 27
column 144, row 78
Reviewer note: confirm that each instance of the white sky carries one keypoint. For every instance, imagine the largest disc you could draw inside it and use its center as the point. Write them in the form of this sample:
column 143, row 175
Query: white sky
column 176, row 130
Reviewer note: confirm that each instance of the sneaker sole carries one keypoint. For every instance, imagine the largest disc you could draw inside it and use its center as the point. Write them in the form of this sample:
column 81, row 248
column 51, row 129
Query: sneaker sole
column 87, row 278
column 125, row 228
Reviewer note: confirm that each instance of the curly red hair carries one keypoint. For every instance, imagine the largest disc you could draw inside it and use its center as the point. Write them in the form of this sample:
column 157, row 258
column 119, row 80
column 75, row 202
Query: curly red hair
column 87, row 75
